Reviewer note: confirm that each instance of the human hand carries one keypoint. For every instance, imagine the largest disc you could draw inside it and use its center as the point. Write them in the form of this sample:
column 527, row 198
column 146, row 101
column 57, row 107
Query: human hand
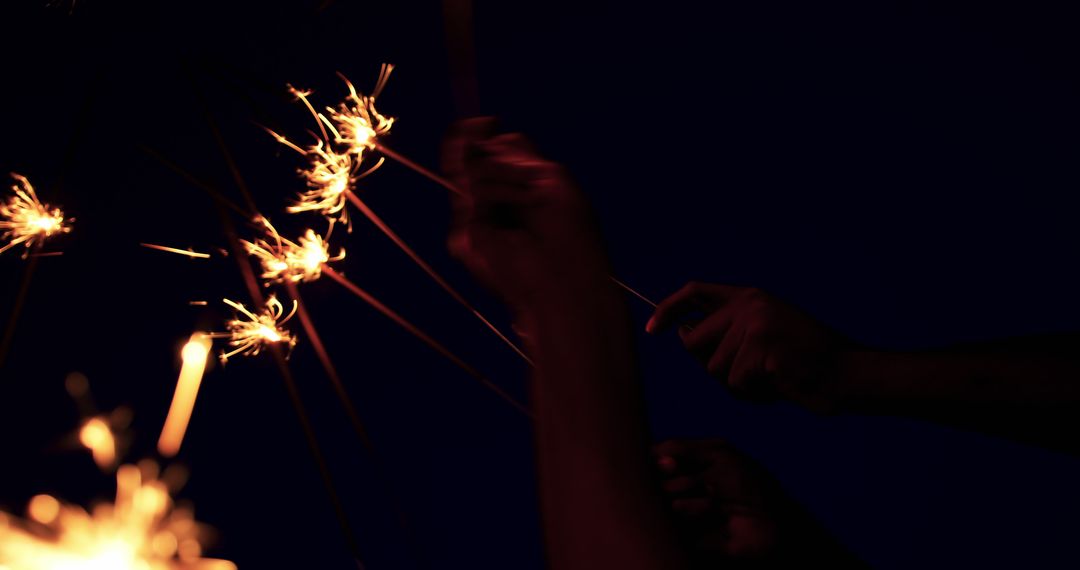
column 759, row 346
column 733, row 514
column 522, row 227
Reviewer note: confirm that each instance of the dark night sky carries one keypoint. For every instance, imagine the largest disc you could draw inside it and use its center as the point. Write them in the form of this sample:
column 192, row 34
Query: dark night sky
column 906, row 171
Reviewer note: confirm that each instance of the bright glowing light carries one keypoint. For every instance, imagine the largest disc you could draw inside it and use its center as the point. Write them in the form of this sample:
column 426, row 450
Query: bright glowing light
column 187, row 389
column 334, row 164
column 98, row 437
column 25, row 219
column 283, row 260
column 250, row 336
column 141, row 530
column 358, row 124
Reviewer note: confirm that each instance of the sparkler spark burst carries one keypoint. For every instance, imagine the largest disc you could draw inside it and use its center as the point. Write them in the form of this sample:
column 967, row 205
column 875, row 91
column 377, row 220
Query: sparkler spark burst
column 250, row 336
column 358, row 123
column 25, row 219
column 141, row 530
column 329, row 175
column 334, row 164
column 285, row 260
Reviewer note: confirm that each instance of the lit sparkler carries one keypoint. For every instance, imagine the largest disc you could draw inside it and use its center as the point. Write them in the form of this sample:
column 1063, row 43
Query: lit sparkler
column 358, row 124
column 141, row 530
column 287, row 261
column 250, row 336
column 25, row 219
column 187, row 389
column 97, row 436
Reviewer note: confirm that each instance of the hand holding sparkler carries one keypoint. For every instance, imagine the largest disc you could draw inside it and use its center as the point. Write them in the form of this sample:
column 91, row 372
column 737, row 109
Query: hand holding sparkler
column 523, row 228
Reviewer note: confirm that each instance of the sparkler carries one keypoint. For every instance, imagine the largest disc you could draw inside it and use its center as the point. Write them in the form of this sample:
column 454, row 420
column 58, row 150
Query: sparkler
column 187, row 389
column 285, row 261
column 97, row 436
column 141, row 530
column 423, row 337
column 250, row 336
column 26, row 219
column 356, row 125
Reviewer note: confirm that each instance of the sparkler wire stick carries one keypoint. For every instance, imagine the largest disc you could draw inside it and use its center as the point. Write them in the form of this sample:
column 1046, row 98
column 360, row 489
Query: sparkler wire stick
column 16, row 310
column 390, row 233
column 419, row 169
column 432, row 343
column 255, row 292
column 354, row 417
column 451, row 187
column 633, row 291
column 328, row 366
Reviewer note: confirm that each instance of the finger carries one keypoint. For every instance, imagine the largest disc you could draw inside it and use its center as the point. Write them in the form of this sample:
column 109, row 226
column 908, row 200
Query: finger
column 694, row 296
column 685, row 456
column 695, row 507
column 456, row 142
column 683, row 485
column 719, row 365
column 748, row 378
column 515, row 142
column 701, row 340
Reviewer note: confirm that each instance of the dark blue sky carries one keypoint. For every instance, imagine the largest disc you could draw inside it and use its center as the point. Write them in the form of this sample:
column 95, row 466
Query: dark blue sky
column 905, row 171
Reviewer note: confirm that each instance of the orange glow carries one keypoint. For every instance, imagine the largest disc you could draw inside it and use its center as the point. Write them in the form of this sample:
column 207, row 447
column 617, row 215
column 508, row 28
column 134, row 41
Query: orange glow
column 286, row 261
column 25, row 219
column 249, row 335
column 141, row 530
column 98, row 437
column 43, row 509
column 187, row 389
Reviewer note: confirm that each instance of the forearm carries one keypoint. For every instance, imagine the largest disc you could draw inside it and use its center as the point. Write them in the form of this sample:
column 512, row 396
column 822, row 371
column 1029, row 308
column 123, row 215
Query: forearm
column 1020, row 393
column 601, row 507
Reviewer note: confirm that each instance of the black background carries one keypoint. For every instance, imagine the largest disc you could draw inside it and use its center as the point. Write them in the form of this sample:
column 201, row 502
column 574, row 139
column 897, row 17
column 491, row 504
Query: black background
column 904, row 170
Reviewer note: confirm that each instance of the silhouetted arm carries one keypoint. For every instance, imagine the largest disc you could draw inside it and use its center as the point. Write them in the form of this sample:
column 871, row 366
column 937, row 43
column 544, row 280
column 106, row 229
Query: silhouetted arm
column 525, row 231
column 1027, row 388
column 763, row 348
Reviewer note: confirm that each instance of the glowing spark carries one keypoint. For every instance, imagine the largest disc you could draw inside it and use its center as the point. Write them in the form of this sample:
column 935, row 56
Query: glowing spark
column 188, row 252
column 187, row 389
column 358, row 123
column 250, row 336
column 25, row 219
column 141, row 530
column 198, row 303
column 355, row 125
column 328, row 177
column 97, row 436
column 287, row 261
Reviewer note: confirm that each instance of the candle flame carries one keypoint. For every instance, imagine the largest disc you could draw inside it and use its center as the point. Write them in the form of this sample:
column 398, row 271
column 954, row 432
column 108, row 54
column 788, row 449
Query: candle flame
column 141, row 530
column 25, row 219
column 287, row 261
column 250, row 334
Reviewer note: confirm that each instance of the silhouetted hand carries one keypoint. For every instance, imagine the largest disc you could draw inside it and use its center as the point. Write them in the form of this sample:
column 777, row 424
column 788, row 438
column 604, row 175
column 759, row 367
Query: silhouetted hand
column 759, row 346
column 522, row 227
column 732, row 513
